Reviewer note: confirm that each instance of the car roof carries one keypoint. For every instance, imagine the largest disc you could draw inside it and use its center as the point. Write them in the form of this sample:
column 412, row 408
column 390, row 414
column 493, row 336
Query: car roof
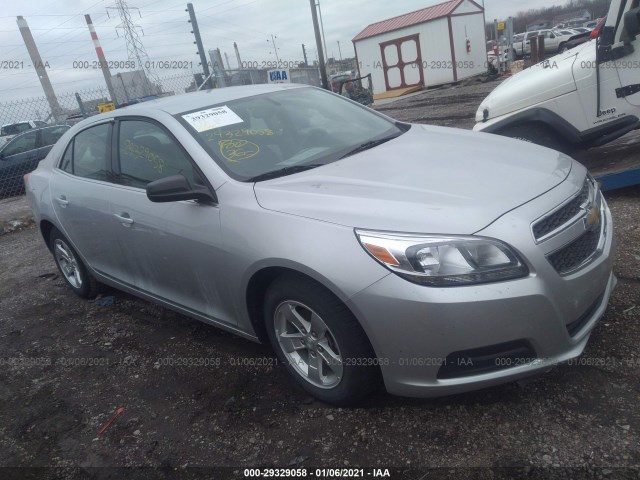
column 190, row 101
column 15, row 123
column 37, row 129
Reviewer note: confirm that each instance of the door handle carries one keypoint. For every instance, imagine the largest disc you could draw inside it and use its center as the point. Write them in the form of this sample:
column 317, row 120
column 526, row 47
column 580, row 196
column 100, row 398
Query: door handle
column 62, row 200
column 124, row 218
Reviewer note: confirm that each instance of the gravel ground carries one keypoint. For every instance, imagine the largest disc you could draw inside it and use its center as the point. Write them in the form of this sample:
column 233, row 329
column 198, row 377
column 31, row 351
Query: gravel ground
column 196, row 396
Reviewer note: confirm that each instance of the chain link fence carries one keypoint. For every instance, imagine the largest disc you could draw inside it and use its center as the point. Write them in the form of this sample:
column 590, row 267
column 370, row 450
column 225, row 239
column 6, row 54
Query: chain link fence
column 255, row 76
column 30, row 126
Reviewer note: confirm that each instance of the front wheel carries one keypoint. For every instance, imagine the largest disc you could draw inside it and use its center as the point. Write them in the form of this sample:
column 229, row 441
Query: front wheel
column 319, row 341
column 71, row 267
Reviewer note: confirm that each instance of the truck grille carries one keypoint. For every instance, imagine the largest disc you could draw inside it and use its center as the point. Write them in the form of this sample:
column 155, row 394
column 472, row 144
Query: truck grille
column 574, row 254
column 562, row 215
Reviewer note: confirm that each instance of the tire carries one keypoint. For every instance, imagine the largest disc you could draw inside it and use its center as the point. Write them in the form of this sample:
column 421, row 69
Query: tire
column 538, row 134
column 71, row 267
column 562, row 48
column 322, row 332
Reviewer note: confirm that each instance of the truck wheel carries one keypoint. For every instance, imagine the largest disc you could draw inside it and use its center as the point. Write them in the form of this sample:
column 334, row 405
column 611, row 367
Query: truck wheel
column 562, row 48
column 538, row 134
column 318, row 341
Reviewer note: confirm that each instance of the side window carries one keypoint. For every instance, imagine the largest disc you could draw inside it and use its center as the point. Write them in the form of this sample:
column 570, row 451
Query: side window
column 21, row 144
column 90, row 152
column 147, row 153
column 52, row 135
column 67, row 159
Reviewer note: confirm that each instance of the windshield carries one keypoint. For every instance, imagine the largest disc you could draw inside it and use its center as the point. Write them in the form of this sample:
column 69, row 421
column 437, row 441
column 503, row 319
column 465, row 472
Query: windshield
column 285, row 131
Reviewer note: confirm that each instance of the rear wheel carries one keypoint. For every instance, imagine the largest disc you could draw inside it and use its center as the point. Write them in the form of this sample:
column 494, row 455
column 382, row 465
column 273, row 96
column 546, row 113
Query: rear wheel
column 319, row 341
column 71, row 267
column 538, row 134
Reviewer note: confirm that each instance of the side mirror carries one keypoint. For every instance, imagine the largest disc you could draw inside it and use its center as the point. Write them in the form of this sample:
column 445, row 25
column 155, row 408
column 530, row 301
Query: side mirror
column 176, row 188
column 631, row 25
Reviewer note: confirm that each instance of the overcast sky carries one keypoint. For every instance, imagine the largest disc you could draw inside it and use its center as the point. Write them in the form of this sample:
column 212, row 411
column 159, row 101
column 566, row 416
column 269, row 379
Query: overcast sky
column 62, row 37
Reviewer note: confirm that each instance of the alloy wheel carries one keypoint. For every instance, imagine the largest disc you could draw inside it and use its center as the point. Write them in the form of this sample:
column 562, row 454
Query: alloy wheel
column 308, row 344
column 68, row 263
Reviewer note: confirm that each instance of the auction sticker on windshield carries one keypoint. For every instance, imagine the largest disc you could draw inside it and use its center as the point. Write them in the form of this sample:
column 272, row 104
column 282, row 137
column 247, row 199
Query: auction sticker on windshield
column 212, row 118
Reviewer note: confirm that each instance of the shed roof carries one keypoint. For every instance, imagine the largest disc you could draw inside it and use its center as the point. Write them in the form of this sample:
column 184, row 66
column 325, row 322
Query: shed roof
column 408, row 19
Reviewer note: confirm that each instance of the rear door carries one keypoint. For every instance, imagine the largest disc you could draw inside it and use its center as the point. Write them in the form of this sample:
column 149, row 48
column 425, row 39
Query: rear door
column 551, row 41
column 527, row 41
column 80, row 191
column 47, row 139
column 169, row 250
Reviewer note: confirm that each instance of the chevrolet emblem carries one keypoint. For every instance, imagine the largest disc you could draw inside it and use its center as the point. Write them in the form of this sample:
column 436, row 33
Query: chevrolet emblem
column 592, row 220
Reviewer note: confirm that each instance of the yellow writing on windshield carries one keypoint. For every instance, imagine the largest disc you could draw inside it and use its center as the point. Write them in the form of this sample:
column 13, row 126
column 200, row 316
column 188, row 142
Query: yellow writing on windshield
column 215, row 135
column 237, row 150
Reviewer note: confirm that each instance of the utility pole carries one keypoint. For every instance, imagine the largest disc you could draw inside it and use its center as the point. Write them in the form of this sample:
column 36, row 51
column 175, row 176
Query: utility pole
column 275, row 49
column 316, row 28
column 39, row 65
column 196, row 33
column 101, row 59
column 304, row 54
column 324, row 40
column 218, row 67
column 235, row 47
column 340, row 51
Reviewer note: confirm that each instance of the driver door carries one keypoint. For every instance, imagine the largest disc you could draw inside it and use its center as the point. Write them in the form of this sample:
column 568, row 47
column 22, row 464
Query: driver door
column 171, row 251
column 628, row 67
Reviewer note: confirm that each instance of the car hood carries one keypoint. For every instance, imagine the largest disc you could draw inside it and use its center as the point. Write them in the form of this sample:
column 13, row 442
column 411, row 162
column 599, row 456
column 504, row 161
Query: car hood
column 429, row 180
column 541, row 82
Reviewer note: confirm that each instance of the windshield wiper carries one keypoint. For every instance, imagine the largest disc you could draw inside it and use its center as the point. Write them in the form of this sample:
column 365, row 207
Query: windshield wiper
column 283, row 171
column 370, row 144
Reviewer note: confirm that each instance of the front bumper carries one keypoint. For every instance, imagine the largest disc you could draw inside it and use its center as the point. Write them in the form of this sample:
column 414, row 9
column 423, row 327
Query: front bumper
column 418, row 332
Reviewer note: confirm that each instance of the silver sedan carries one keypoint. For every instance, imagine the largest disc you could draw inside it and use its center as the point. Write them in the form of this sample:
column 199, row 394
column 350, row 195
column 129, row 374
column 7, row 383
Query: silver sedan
column 363, row 249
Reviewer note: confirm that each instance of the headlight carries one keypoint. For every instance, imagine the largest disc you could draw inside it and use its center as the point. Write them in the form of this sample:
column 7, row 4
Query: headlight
column 443, row 261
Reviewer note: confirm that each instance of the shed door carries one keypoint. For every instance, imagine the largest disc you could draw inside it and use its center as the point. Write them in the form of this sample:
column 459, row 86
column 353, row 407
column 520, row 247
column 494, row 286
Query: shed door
column 402, row 62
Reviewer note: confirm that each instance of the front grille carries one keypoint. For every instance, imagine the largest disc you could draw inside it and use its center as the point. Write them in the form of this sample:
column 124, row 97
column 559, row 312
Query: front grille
column 574, row 327
column 487, row 359
column 574, row 254
column 562, row 215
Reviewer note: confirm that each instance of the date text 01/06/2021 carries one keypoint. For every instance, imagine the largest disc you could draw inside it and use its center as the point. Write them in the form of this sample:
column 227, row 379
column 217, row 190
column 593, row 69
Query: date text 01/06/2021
column 317, row 472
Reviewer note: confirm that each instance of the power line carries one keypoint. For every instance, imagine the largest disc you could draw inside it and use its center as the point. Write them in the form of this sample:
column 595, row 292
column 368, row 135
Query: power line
column 135, row 49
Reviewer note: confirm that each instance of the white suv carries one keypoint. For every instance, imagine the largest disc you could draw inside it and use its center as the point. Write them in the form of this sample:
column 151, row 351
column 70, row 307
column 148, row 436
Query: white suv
column 585, row 97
